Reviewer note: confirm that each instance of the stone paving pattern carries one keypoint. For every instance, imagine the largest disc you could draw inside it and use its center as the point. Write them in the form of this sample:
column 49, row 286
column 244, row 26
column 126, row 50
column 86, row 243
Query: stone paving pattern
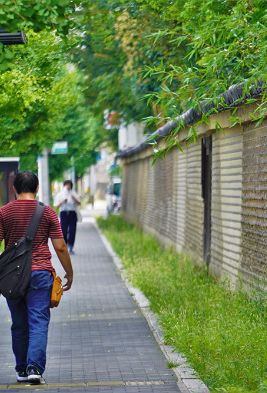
column 97, row 335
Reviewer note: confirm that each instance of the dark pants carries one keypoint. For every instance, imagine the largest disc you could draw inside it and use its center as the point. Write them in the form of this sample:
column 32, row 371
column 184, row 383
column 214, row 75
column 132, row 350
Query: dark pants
column 68, row 220
column 30, row 319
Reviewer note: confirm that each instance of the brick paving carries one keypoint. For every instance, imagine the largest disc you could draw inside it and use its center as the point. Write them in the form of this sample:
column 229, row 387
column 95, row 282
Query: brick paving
column 99, row 341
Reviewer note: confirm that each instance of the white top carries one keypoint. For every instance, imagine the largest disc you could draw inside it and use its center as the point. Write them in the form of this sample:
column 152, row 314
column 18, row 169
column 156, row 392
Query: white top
column 70, row 204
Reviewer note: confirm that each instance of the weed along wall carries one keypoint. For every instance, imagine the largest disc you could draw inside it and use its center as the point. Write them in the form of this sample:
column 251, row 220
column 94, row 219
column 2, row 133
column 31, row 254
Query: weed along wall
column 208, row 201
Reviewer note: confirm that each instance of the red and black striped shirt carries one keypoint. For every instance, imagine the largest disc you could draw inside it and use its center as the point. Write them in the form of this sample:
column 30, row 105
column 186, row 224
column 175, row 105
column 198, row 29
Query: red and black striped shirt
column 14, row 220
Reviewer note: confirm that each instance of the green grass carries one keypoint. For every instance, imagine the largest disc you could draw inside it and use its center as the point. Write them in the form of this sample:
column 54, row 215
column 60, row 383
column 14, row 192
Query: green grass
column 222, row 334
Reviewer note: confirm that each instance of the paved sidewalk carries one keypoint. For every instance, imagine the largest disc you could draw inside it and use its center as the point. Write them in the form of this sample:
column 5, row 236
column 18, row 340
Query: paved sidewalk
column 99, row 340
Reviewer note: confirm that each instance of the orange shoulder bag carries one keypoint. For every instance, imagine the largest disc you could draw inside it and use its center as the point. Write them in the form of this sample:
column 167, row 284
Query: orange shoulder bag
column 57, row 291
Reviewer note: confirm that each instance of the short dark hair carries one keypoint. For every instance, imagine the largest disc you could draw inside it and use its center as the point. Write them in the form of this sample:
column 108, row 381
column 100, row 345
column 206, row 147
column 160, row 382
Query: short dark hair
column 68, row 182
column 26, row 181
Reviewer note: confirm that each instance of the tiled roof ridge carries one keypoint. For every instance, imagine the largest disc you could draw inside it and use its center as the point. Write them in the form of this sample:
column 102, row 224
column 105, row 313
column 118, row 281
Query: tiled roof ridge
column 232, row 97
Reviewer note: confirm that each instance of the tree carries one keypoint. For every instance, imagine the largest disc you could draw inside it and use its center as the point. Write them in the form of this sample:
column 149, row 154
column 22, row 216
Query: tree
column 37, row 15
column 141, row 59
column 41, row 100
column 104, row 62
column 174, row 54
column 42, row 93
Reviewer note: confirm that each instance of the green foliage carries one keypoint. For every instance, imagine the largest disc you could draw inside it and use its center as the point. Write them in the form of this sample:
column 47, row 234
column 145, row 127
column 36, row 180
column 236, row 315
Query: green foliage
column 223, row 334
column 142, row 59
column 155, row 59
column 37, row 15
column 42, row 96
column 26, row 88
column 44, row 15
column 102, row 59
column 83, row 140
column 222, row 43
column 42, row 101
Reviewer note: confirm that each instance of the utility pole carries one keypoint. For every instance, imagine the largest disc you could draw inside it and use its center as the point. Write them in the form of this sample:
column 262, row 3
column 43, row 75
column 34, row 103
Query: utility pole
column 43, row 175
column 73, row 174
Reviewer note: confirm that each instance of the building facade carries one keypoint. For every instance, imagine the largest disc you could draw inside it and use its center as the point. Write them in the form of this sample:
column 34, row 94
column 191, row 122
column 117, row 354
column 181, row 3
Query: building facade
column 8, row 169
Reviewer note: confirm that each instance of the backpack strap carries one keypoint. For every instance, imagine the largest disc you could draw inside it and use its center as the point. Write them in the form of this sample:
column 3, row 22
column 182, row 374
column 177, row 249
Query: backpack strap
column 33, row 226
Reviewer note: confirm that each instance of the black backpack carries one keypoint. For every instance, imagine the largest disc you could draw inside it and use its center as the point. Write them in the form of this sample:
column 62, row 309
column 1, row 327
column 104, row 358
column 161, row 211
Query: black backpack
column 16, row 260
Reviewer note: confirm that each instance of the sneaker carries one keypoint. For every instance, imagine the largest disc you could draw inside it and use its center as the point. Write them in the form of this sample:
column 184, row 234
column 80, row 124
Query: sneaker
column 34, row 375
column 22, row 376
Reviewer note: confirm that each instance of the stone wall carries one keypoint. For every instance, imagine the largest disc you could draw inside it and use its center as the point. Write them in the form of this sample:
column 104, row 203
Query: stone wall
column 254, row 204
column 166, row 199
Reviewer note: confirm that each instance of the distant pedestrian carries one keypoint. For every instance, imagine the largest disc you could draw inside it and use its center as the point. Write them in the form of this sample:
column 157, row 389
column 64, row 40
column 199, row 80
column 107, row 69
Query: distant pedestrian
column 68, row 200
column 30, row 313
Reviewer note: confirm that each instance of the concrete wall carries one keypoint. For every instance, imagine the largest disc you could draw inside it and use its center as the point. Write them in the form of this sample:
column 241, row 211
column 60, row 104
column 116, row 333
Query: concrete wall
column 226, row 203
column 254, row 204
column 166, row 200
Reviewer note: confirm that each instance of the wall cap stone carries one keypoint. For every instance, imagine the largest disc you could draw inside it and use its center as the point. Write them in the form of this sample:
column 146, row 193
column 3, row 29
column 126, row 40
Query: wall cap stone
column 234, row 97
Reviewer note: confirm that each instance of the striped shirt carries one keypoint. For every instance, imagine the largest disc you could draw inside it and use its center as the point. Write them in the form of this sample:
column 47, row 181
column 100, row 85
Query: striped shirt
column 14, row 220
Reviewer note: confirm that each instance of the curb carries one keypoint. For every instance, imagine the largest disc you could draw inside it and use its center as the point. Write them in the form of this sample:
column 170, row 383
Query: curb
column 188, row 381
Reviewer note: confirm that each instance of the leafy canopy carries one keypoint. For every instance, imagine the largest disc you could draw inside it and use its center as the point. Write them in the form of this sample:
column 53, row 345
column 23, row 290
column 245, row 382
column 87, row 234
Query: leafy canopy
column 148, row 59
column 156, row 59
column 37, row 15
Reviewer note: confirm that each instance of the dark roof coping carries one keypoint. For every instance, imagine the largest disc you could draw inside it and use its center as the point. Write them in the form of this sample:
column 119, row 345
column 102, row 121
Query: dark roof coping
column 233, row 97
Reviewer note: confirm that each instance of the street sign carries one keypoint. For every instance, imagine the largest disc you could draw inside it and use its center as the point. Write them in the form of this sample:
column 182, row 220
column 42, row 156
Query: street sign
column 60, row 148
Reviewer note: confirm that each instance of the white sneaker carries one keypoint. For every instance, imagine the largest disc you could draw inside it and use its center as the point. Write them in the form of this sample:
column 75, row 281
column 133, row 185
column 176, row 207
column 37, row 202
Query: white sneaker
column 22, row 376
column 34, row 376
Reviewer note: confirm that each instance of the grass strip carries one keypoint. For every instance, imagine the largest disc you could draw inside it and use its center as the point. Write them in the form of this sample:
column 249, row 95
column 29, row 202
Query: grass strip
column 222, row 333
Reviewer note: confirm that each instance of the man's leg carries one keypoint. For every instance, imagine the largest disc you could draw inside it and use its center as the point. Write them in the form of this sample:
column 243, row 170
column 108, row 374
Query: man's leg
column 19, row 332
column 64, row 218
column 72, row 229
column 38, row 305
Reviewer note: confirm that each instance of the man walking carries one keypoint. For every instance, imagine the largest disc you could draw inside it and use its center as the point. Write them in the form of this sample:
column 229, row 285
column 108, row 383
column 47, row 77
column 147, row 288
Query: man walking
column 31, row 314
column 68, row 200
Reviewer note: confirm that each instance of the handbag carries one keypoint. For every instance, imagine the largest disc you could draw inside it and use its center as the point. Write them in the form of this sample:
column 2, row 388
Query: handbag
column 56, row 292
column 16, row 260
column 79, row 216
